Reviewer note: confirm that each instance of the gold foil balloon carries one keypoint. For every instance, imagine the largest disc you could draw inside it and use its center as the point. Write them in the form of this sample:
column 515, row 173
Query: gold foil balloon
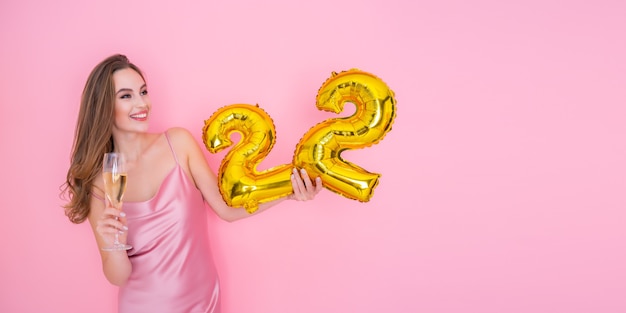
column 240, row 184
column 319, row 150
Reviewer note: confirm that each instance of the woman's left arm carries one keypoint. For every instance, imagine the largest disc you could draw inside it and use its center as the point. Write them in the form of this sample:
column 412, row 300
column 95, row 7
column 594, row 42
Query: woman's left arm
column 192, row 158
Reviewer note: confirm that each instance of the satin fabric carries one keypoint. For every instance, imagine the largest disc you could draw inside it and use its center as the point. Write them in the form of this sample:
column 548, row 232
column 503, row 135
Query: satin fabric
column 172, row 264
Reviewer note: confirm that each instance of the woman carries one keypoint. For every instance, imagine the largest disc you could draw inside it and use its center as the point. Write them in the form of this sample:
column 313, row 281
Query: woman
column 170, row 267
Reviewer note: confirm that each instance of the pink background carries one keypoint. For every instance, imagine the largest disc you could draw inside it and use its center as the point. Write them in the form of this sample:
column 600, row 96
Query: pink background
column 503, row 179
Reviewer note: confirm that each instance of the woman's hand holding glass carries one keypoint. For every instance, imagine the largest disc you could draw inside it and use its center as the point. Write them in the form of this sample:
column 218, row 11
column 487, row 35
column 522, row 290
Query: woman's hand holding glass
column 112, row 227
column 113, row 223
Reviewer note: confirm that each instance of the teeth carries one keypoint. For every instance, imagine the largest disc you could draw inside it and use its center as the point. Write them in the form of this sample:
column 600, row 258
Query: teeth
column 143, row 115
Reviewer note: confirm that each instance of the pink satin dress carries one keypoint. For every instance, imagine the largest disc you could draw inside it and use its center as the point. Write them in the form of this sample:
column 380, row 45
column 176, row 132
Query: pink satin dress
column 173, row 269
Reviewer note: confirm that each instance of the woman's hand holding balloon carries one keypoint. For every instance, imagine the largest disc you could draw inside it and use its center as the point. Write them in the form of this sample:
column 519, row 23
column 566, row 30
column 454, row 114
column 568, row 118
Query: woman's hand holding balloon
column 303, row 187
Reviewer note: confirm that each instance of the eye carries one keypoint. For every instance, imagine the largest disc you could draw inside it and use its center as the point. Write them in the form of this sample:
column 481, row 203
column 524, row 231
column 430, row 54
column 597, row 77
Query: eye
column 125, row 96
column 145, row 92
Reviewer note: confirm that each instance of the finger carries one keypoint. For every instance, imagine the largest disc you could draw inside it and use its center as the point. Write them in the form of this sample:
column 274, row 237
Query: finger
column 110, row 226
column 308, row 184
column 294, row 186
column 113, row 212
column 121, row 217
column 296, row 183
column 114, row 220
column 296, row 189
column 318, row 185
column 107, row 232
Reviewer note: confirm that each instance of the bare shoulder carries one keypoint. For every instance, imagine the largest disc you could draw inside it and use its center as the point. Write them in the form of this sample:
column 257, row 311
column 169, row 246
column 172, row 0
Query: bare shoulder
column 180, row 135
column 178, row 131
column 181, row 138
column 183, row 142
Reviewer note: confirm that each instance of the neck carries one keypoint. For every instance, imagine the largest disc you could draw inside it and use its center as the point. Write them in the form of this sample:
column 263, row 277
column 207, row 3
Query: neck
column 130, row 144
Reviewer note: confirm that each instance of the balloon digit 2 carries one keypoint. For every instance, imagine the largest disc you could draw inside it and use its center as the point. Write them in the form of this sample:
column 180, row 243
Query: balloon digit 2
column 240, row 184
column 319, row 150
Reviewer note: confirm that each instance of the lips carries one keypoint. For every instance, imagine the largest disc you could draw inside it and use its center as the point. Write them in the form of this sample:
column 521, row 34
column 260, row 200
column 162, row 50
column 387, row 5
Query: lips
column 140, row 116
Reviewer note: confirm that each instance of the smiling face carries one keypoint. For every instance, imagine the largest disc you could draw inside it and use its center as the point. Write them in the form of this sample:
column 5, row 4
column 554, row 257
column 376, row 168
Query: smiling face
column 132, row 104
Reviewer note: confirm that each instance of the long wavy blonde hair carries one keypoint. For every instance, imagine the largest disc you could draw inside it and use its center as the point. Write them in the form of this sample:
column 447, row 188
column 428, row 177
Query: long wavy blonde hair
column 92, row 136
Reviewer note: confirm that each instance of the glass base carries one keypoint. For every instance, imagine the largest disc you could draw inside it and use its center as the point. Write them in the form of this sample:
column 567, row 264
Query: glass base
column 117, row 247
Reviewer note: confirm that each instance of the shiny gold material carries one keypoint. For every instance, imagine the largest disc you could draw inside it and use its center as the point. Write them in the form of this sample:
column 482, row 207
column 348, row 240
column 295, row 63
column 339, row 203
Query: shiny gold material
column 319, row 150
column 240, row 184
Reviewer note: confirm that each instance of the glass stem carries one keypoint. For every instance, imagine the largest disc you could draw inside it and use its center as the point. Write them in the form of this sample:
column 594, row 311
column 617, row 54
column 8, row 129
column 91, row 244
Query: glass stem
column 117, row 236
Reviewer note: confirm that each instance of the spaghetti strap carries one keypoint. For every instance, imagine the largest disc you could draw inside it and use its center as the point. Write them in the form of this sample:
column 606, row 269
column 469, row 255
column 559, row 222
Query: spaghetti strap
column 171, row 148
column 93, row 194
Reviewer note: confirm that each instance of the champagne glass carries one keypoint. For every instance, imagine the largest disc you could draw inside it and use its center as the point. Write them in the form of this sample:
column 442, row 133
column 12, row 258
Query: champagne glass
column 114, row 173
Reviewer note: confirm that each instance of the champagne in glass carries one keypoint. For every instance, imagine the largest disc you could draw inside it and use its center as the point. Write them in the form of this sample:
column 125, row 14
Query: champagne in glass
column 114, row 186
column 114, row 173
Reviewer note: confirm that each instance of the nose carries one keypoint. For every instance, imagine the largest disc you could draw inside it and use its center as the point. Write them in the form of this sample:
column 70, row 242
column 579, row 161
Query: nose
column 142, row 101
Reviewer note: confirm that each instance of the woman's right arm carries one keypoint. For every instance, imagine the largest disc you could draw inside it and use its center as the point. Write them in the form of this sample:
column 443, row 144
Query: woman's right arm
column 115, row 264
